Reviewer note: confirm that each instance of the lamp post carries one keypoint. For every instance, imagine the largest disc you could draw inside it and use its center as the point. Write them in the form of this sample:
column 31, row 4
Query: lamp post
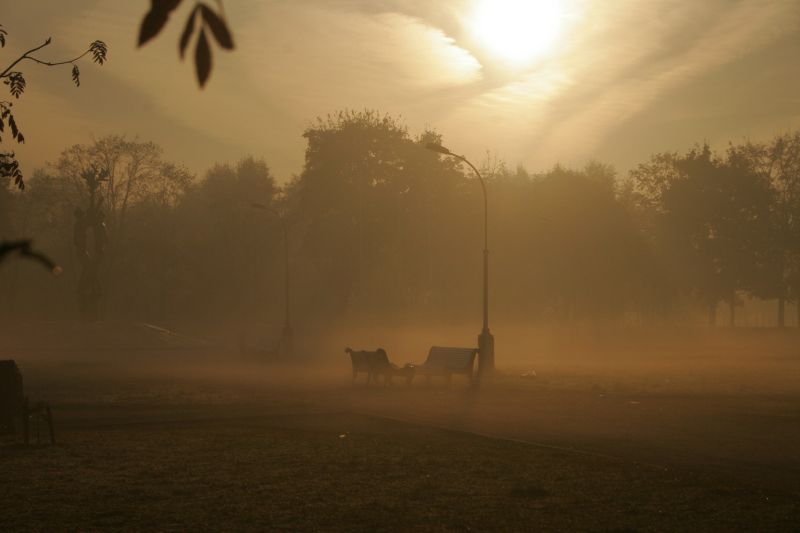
column 485, row 339
column 286, row 335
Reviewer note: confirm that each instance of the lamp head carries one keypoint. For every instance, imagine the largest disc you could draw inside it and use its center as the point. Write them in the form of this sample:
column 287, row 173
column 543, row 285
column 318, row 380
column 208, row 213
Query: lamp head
column 438, row 148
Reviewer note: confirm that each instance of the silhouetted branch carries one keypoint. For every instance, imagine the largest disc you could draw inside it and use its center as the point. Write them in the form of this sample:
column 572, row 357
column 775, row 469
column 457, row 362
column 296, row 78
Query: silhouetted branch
column 23, row 56
column 56, row 63
column 23, row 247
column 15, row 80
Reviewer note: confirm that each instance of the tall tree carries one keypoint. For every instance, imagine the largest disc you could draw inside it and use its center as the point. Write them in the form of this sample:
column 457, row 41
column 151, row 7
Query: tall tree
column 352, row 160
column 103, row 181
column 231, row 254
column 372, row 202
column 134, row 171
column 566, row 245
column 710, row 222
column 777, row 163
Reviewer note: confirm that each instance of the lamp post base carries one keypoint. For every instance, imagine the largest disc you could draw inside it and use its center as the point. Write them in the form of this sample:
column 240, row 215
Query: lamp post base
column 485, row 354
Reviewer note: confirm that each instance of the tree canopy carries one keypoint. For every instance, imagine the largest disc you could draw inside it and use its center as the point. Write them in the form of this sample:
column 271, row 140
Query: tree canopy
column 381, row 230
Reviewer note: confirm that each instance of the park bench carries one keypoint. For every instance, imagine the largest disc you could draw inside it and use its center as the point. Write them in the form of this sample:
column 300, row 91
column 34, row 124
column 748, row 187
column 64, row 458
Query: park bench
column 376, row 364
column 16, row 411
column 446, row 362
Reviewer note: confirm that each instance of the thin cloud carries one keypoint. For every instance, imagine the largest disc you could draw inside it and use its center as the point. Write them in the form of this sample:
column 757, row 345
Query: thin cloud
column 296, row 60
column 745, row 28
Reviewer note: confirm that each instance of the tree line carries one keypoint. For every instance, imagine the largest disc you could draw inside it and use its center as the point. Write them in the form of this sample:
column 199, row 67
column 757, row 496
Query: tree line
column 385, row 232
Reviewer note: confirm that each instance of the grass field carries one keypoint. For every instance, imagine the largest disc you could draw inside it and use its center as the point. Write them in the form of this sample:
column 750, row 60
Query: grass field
column 677, row 443
column 344, row 472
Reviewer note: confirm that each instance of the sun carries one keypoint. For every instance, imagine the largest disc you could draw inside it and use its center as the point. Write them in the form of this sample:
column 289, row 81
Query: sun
column 518, row 32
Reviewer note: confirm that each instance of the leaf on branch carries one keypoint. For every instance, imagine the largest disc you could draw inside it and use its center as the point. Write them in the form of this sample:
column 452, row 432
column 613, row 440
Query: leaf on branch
column 2, row 118
column 99, row 50
column 202, row 59
column 76, row 75
column 167, row 6
column 155, row 19
column 187, row 33
column 151, row 25
column 15, row 133
column 9, row 167
column 13, row 124
column 16, row 83
column 218, row 27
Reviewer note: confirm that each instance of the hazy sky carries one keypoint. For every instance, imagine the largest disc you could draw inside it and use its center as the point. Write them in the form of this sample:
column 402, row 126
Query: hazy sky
column 535, row 82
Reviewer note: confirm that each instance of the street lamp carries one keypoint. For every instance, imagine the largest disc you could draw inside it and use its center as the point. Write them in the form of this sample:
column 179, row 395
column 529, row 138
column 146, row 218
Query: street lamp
column 485, row 339
column 286, row 336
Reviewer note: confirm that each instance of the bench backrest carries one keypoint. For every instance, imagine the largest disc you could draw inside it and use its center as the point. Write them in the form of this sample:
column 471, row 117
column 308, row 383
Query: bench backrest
column 451, row 358
column 366, row 361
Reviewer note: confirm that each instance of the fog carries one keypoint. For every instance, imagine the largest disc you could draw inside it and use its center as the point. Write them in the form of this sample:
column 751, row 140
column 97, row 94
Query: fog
column 362, row 260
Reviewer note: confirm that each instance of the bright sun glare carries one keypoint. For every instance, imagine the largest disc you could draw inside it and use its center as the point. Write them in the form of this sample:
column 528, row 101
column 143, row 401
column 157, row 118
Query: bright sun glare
column 518, row 31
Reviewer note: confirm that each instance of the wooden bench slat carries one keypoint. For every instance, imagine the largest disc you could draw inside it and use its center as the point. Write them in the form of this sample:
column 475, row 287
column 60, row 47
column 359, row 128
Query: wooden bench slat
column 447, row 361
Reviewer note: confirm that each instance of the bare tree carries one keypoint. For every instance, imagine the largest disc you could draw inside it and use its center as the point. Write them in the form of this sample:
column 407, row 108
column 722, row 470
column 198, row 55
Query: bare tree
column 104, row 180
column 135, row 172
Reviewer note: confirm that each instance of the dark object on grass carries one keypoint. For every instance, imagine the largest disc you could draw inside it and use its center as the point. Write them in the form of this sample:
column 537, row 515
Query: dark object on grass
column 445, row 362
column 10, row 395
column 16, row 411
column 376, row 364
